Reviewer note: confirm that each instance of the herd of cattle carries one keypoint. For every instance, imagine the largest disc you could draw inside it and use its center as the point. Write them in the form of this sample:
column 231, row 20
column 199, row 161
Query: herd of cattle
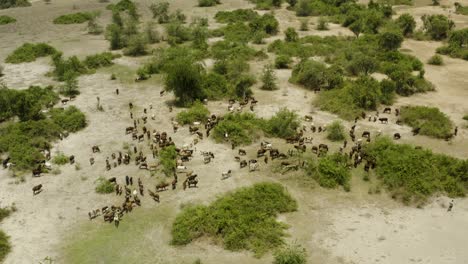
column 156, row 140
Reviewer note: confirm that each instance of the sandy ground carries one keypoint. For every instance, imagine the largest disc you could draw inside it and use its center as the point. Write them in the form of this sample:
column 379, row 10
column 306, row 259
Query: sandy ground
column 334, row 226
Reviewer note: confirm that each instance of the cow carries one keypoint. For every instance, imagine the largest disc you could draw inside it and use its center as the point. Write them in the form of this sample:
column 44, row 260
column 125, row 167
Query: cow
column 366, row 134
column 95, row 149
column 383, row 120
column 396, row 136
column 37, row 189
column 226, row 175
column 387, row 110
column 242, row 152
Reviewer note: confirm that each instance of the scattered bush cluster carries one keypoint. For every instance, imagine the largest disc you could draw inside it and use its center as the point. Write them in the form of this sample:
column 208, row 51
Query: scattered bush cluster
column 430, row 120
column 243, row 128
column 244, row 219
column 457, row 45
column 24, row 140
column 415, row 174
column 75, row 18
column 6, row 20
column 197, row 112
column 29, row 52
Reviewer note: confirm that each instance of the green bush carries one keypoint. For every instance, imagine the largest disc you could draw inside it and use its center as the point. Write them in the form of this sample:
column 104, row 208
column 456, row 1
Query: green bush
column 430, row 120
column 4, row 4
column 292, row 254
column 457, row 45
column 66, row 69
column 322, row 24
column 30, row 52
column 269, row 79
column 177, row 33
column 103, row 186
column 6, row 211
column 60, row 159
column 465, row 117
column 244, row 219
column 238, row 15
column 6, row 20
column 437, row 26
column 290, row 35
column 309, row 73
column 205, row 3
column 197, row 112
column 435, row 60
column 99, row 60
column 241, row 129
column 415, row 174
column 75, row 18
column 460, row 9
column 160, row 11
column 70, row 119
column 167, row 157
column 330, row 171
column 5, row 246
column 282, row 62
column 336, row 131
column 136, row 46
column 406, row 23
column 283, row 124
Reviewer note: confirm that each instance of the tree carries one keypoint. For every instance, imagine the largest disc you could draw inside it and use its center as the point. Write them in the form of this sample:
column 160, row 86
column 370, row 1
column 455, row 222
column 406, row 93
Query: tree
column 269, row 79
column 291, row 35
column 362, row 64
column 336, row 131
column 184, row 78
column 406, row 23
column 309, row 73
column 161, row 12
column 366, row 92
column 70, row 87
column 390, row 40
column 459, row 38
column 437, row 26
column 303, row 8
column 115, row 36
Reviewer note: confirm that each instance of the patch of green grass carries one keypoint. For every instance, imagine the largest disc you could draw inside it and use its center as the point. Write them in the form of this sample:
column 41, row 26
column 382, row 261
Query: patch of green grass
column 436, row 60
column 75, row 18
column 60, row 159
column 30, row 52
column 100, row 60
column 460, row 9
column 197, row 112
column 167, row 157
column 6, row 20
column 244, row 219
column 430, row 120
column 292, row 254
column 413, row 175
column 103, row 186
column 5, row 246
column 206, row 3
column 88, row 240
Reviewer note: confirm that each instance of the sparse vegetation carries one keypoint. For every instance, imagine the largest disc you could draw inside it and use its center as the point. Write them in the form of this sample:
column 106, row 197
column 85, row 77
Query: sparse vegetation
column 197, row 112
column 457, row 45
column 6, row 20
column 413, row 175
column 460, row 9
column 269, row 79
column 322, row 24
column 437, row 27
column 99, row 60
column 103, row 186
column 206, row 3
column 4, row 4
column 30, row 52
column 75, row 18
column 244, row 219
column 435, row 60
column 430, row 120
column 60, row 159
column 291, row 254
column 282, row 62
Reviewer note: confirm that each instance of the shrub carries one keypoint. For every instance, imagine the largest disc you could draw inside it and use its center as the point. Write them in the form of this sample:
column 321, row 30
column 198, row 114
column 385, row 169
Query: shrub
column 290, row 35
column 6, row 211
column 136, row 46
column 437, row 26
column 75, row 18
column 292, row 254
column 167, row 157
column 240, row 128
column 205, row 3
column 322, row 24
column 94, row 28
column 304, row 25
column 60, row 159
column 6, row 20
column 457, row 45
column 184, row 78
column 390, row 40
column 435, row 60
column 152, row 36
column 430, row 120
column 238, row 15
column 331, row 171
column 269, row 79
column 177, row 33
column 70, row 119
column 99, row 60
column 282, row 62
column 283, row 124
column 309, row 73
column 336, row 131
column 66, row 69
column 415, row 174
column 30, row 52
column 197, row 112
column 160, row 11
column 104, row 186
column 465, row 117
column 459, row 9
column 244, row 219
column 5, row 246
column 362, row 64
column 406, row 23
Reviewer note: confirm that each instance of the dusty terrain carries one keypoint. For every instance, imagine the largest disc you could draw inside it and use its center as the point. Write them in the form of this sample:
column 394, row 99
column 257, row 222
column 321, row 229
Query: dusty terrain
column 334, row 226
